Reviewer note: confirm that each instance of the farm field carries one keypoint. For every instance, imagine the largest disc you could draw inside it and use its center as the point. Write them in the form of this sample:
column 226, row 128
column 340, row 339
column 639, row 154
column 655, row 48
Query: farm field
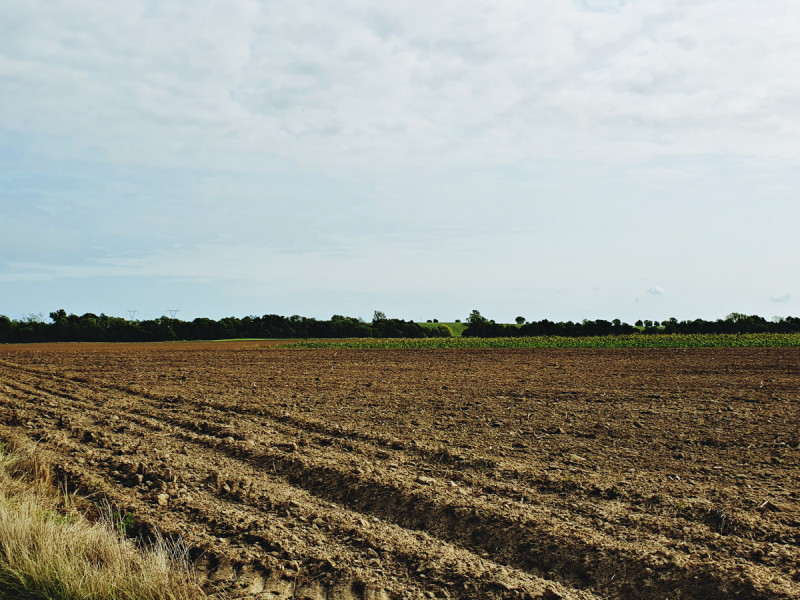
column 434, row 473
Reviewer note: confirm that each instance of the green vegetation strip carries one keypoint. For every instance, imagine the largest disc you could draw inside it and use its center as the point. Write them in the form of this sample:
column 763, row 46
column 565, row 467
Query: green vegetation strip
column 748, row 340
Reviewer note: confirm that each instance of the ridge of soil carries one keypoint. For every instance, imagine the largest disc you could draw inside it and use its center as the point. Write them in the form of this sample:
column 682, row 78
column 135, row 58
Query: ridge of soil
column 490, row 473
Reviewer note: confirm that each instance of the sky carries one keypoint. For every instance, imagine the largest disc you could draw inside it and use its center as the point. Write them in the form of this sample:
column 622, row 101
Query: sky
column 559, row 159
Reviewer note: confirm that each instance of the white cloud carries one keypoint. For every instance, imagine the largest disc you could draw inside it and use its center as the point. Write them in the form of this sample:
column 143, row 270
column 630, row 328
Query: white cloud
column 782, row 298
column 356, row 85
column 656, row 291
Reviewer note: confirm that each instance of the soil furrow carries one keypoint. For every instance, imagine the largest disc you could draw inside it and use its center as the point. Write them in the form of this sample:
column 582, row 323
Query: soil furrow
column 530, row 543
column 91, row 481
column 625, row 474
column 716, row 520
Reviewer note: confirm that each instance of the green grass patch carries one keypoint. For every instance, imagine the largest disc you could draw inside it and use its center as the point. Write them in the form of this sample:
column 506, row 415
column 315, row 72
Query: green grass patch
column 749, row 340
column 456, row 328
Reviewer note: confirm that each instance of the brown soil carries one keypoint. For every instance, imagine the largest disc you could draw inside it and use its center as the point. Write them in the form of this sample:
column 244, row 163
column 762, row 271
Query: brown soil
column 435, row 474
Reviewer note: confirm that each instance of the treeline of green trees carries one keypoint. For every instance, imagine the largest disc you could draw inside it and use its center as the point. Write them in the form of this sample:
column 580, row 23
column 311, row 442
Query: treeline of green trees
column 480, row 326
column 89, row 327
column 63, row 327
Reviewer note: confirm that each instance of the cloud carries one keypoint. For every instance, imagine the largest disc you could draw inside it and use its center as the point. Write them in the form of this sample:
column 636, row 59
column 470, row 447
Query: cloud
column 656, row 291
column 354, row 85
column 603, row 5
column 783, row 298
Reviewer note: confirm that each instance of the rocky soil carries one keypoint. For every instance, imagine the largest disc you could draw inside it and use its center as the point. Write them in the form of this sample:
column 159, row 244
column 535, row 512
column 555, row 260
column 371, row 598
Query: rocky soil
column 382, row 474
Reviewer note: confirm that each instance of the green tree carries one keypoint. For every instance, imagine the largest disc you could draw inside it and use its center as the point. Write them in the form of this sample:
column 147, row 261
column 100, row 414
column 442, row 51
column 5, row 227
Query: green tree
column 735, row 317
column 520, row 320
column 5, row 328
column 476, row 318
column 57, row 315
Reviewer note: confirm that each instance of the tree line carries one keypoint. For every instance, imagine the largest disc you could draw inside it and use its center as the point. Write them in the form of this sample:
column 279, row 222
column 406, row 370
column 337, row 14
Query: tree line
column 480, row 326
column 89, row 327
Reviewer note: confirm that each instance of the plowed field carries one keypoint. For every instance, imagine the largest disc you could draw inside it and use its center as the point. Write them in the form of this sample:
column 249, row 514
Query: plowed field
column 435, row 473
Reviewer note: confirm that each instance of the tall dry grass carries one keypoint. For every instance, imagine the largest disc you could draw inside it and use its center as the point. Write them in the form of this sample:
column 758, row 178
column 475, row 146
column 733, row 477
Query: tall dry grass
column 49, row 549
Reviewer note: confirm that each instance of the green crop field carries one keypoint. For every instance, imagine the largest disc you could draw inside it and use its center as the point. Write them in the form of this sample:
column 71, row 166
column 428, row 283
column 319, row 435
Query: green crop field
column 750, row 340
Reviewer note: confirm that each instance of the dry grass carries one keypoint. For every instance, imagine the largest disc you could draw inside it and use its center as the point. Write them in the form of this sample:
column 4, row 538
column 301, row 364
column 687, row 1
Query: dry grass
column 50, row 550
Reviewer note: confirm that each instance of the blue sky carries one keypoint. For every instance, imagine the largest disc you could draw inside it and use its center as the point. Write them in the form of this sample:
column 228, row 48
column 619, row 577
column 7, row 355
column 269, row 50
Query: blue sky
column 561, row 160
